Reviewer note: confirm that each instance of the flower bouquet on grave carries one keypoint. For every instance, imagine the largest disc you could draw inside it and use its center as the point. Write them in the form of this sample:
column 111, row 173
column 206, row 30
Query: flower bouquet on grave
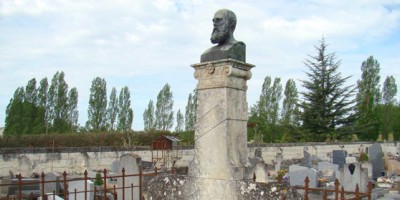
column 384, row 182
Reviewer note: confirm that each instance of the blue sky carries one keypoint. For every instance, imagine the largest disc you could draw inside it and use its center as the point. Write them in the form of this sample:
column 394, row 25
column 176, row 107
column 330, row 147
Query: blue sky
column 145, row 44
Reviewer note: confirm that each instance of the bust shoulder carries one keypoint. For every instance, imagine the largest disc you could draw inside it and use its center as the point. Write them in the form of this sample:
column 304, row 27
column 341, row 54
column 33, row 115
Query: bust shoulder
column 232, row 49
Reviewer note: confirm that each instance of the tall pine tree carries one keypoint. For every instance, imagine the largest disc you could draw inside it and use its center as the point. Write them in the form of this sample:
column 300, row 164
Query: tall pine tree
column 327, row 102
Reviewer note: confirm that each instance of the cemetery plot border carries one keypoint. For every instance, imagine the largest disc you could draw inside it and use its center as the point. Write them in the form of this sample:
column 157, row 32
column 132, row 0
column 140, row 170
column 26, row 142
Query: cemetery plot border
column 19, row 183
column 350, row 195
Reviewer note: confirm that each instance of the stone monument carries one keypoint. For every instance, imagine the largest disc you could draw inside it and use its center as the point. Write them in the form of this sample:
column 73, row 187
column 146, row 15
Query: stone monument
column 221, row 155
column 221, row 168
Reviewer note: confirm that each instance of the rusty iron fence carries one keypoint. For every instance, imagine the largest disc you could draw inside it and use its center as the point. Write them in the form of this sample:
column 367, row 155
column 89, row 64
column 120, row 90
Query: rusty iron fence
column 339, row 194
column 99, row 192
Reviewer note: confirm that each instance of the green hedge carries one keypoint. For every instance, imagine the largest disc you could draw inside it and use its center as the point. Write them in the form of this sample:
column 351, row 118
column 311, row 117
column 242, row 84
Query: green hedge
column 83, row 139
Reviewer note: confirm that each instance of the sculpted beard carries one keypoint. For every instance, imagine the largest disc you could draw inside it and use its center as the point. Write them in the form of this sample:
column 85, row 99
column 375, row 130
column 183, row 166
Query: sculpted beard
column 220, row 34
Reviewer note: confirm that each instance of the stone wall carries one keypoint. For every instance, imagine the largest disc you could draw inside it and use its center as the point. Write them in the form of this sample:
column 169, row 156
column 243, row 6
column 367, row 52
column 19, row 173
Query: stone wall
column 76, row 160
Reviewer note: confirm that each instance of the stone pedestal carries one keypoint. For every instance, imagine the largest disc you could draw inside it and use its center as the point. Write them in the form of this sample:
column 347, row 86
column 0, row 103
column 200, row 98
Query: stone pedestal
column 221, row 155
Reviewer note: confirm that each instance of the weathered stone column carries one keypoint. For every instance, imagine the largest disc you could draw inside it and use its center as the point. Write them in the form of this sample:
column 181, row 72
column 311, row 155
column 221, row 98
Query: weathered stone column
column 221, row 154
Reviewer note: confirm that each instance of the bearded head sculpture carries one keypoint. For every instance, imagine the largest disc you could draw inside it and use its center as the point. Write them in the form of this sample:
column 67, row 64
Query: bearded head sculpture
column 224, row 22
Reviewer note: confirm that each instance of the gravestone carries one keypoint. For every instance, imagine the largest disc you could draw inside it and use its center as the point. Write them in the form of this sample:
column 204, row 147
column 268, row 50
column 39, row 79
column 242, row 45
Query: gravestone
column 375, row 155
column 258, row 153
column 52, row 186
column 306, row 162
column 328, row 170
column 367, row 167
column 131, row 163
column 76, row 190
column 296, row 167
column 279, row 159
column 351, row 159
column 115, row 167
column 351, row 175
column 297, row 177
column 25, row 166
column 50, row 196
column 339, row 157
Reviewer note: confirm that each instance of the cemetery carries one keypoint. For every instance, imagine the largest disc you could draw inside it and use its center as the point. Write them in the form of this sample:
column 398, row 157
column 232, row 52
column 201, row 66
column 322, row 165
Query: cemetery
column 222, row 164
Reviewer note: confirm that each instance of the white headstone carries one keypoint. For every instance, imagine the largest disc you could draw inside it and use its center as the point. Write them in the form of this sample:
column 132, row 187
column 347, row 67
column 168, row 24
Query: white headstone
column 76, row 190
column 130, row 162
column 328, row 170
column 297, row 177
column 351, row 159
column 50, row 196
column 351, row 175
column 296, row 167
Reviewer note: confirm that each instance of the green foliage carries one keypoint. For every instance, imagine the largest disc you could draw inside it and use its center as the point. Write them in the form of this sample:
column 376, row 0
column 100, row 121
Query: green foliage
column 112, row 110
column 265, row 113
column 58, row 101
column 179, row 121
column 98, row 181
column 326, row 101
column 290, row 110
column 187, row 137
column 164, row 114
column 148, row 116
column 363, row 157
column 42, row 110
column 73, row 113
column 191, row 111
column 97, row 111
column 88, row 139
column 368, row 97
column 389, row 91
column 125, row 115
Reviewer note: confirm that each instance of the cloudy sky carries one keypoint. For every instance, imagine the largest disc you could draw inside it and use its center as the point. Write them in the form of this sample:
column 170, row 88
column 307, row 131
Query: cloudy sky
column 145, row 44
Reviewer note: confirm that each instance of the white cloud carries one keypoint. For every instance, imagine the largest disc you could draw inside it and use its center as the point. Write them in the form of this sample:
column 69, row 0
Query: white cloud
column 145, row 44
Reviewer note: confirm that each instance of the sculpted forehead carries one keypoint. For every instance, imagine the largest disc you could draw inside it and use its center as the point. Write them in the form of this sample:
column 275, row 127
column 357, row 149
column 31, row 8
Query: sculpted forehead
column 221, row 14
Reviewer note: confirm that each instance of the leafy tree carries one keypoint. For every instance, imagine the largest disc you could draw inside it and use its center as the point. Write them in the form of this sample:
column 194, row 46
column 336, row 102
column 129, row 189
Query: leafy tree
column 148, row 116
column 43, row 122
column 29, row 106
column 191, row 111
column 97, row 112
column 387, row 112
column 164, row 115
column 125, row 115
column 266, row 112
column 389, row 91
column 290, row 110
column 368, row 97
column 327, row 103
column 14, row 114
column 58, row 101
column 73, row 113
column 113, row 109
column 179, row 121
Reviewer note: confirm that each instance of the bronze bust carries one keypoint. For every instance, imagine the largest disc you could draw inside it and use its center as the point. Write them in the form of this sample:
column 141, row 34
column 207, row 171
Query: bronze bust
column 224, row 22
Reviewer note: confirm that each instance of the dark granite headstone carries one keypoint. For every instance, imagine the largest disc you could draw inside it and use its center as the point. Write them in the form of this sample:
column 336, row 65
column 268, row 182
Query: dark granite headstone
column 376, row 160
column 339, row 157
column 306, row 162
